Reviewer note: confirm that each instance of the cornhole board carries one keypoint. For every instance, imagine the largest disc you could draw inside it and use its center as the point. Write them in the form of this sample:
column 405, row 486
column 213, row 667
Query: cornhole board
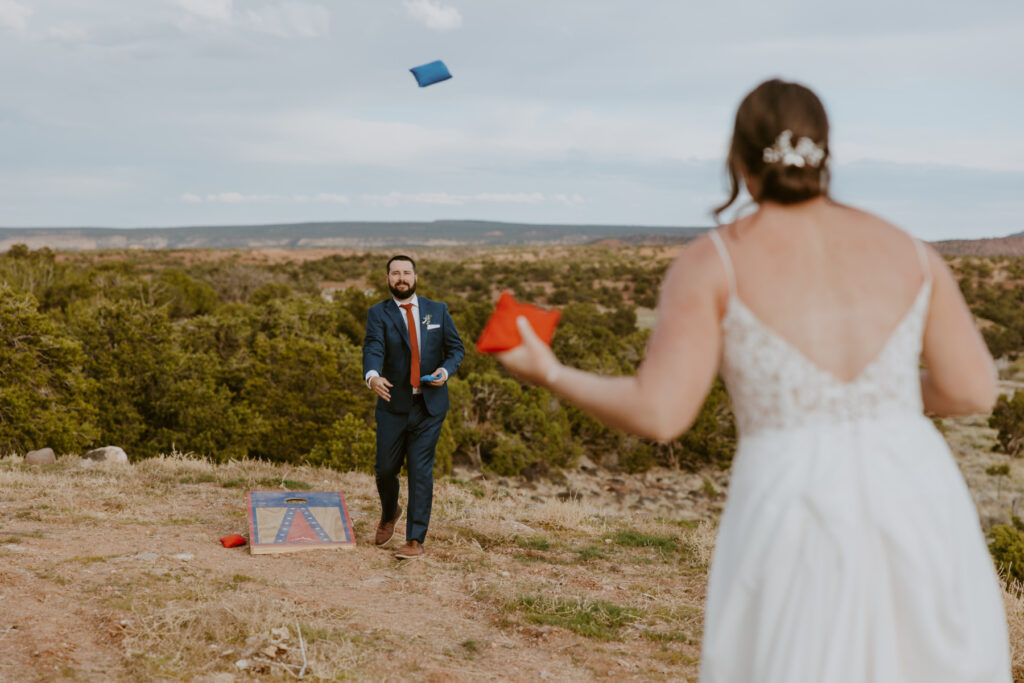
column 288, row 521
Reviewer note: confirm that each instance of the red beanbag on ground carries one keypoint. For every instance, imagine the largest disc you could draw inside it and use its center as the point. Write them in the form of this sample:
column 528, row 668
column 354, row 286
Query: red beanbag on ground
column 500, row 332
column 232, row 541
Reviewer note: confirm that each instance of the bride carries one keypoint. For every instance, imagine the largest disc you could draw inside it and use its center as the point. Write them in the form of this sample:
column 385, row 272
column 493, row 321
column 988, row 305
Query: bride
column 849, row 549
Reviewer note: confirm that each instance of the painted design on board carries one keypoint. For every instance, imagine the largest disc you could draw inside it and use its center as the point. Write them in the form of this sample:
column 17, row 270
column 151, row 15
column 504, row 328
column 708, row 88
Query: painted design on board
column 282, row 521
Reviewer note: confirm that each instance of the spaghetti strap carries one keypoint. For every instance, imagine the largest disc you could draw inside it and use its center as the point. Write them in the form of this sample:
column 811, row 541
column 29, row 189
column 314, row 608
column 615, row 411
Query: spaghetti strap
column 723, row 253
column 923, row 256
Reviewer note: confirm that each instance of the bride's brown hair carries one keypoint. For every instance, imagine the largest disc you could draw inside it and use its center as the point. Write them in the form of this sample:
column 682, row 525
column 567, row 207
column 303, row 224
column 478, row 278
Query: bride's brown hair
column 771, row 108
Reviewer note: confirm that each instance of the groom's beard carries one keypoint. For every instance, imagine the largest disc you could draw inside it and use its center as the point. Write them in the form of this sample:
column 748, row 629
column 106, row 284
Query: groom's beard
column 402, row 290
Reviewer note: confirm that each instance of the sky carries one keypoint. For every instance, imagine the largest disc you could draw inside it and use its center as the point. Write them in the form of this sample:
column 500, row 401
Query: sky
column 160, row 113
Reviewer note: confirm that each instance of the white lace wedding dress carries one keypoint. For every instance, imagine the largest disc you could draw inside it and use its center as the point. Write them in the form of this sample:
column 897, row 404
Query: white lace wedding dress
column 850, row 550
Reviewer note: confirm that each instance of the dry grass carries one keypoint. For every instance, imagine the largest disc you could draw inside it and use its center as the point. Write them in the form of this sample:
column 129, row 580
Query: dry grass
column 116, row 574
column 1013, row 598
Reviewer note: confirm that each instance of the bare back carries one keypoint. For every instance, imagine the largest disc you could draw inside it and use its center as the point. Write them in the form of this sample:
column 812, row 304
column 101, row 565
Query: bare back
column 837, row 288
column 835, row 283
column 831, row 281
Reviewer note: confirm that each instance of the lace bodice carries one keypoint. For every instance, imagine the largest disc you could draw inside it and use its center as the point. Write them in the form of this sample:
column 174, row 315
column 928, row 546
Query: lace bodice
column 774, row 386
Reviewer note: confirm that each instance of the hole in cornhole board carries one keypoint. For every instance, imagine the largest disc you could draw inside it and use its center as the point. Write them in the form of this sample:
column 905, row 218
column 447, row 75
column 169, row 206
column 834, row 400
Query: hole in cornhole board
column 289, row 521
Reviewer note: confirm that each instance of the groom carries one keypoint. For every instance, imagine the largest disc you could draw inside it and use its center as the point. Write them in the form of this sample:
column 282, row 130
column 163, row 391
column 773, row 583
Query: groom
column 408, row 337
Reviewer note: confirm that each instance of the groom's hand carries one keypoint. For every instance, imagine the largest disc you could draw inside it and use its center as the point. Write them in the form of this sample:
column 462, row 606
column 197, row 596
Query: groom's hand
column 382, row 387
column 442, row 379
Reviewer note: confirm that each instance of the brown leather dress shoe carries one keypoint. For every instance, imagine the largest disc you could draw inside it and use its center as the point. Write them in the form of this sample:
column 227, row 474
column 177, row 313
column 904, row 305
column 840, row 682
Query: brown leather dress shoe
column 386, row 530
column 411, row 550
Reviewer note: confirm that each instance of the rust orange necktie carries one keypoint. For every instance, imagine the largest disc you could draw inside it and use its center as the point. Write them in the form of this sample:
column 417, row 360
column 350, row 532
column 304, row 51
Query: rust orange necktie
column 414, row 372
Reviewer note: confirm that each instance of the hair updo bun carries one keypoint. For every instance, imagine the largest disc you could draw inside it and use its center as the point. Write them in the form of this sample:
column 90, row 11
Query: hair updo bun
column 780, row 142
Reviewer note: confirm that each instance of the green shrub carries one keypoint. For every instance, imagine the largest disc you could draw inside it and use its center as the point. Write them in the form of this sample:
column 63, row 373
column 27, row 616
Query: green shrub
column 499, row 424
column 1007, row 548
column 507, row 456
column 196, row 415
column 228, row 360
column 301, row 387
column 44, row 397
column 132, row 356
column 348, row 445
column 711, row 439
column 636, row 455
column 184, row 296
column 1008, row 417
column 445, row 450
column 269, row 292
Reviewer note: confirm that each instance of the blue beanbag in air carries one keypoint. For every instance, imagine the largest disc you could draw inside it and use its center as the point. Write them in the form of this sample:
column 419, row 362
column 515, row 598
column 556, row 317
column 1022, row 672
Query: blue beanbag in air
column 428, row 74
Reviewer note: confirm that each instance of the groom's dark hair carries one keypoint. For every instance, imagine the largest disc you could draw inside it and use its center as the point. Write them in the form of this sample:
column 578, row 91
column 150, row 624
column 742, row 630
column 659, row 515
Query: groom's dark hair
column 400, row 257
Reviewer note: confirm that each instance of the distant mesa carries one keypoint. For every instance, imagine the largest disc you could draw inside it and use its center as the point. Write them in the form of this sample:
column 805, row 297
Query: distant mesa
column 367, row 235
column 1011, row 245
column 341, row 235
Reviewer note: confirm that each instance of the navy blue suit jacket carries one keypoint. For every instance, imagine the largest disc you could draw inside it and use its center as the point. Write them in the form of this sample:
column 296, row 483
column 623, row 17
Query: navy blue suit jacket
column 386, row 349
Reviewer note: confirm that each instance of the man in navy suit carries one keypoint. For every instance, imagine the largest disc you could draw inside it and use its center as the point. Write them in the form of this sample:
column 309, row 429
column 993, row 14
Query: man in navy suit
column 408, row 337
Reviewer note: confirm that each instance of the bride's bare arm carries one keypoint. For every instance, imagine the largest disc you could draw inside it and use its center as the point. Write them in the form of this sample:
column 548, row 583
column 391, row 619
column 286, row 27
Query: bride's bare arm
column 661, row 401
column 960, row 378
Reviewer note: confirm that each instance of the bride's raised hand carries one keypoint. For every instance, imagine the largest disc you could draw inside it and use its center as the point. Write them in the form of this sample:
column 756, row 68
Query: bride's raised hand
column 532, row 361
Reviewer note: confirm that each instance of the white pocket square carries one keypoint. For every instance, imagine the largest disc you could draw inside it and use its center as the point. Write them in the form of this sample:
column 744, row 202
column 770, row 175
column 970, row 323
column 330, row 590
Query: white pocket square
column 433, row 327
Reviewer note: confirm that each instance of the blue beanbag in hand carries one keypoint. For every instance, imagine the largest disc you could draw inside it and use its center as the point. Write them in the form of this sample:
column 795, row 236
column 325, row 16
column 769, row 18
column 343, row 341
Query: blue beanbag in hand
column 428, row 74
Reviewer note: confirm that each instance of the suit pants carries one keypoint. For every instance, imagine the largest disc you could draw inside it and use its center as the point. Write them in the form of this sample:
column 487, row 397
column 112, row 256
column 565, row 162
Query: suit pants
column 408, row 438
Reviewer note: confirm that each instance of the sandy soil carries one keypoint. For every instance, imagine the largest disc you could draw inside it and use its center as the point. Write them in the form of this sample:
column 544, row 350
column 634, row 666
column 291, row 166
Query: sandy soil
column 116, row 574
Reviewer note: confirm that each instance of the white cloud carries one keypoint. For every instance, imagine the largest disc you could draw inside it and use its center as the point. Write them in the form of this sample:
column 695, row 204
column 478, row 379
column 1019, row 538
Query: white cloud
column 526, row 134
column 22, row 183
column 568, row 200
column 14, row 15
column 920, row 147
column 507, row 133
column 239, row 198
column 213, row 10
column 396, row 198
column 327, row 197
column 68, row 33
column 298, row 19
column 433, row 14
column 510, row 197
column 254, row 198
column 450, row 199
column 312, row 137
column 288, row 19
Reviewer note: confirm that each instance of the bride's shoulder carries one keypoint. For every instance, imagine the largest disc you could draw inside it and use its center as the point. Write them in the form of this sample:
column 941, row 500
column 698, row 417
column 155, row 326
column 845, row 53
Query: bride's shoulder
column 699, row 256
column 861, row 218
column 883, row 237
column 699, row 270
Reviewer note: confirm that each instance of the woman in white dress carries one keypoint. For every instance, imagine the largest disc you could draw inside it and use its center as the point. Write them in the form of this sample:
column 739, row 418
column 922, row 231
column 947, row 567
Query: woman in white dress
column 849, row 550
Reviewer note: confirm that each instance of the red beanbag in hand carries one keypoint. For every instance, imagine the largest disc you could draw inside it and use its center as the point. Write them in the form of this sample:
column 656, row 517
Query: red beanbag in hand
column 500, row 332
column 232, row 541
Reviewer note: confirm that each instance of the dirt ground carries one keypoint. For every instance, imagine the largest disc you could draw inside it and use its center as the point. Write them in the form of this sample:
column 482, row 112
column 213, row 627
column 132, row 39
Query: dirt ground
column 115, row 573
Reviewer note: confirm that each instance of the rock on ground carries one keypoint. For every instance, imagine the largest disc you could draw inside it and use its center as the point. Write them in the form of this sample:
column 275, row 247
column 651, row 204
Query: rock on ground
column 107, row 454
column 44, row 456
